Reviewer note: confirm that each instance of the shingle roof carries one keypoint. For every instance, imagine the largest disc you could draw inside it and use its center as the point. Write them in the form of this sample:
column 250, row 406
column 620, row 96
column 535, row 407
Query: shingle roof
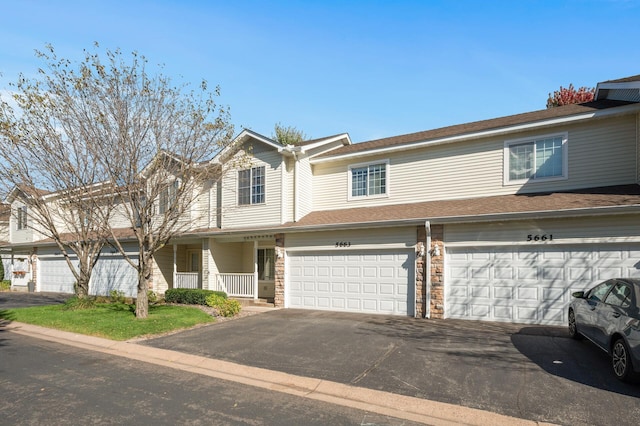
column 614, row 196
column 624, row 79
column 477, row 126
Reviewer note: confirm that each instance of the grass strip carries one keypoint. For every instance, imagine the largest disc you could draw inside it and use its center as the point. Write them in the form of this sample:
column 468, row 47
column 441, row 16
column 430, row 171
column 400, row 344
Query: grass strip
column 115, row 321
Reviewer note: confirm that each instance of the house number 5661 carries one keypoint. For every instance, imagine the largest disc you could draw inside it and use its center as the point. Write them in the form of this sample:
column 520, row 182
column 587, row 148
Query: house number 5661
column 538, row 237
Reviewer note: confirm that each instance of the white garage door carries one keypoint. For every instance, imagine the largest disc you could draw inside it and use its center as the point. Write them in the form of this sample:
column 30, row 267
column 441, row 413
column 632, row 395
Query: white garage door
column 55, row 275
column 380, row 282
column 529, row 284
column 114, row 273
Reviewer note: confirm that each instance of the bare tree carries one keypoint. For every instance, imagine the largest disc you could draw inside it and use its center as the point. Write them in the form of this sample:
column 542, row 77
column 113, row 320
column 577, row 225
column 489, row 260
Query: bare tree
column 150, row 138
column 45, row 163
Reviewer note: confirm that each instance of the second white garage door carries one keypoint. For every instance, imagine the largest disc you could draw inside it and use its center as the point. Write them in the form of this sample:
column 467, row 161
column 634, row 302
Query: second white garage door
column 380, row 282
column 114, row 273
column 529, row 284
column 55, row 275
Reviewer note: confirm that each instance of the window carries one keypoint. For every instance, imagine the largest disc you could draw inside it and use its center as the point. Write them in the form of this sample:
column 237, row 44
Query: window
column 368, row 180
column 266, row 264
column 619, row 296
column 598, row 293
column 251, row 186
column 21, row 218
column 540, row 158
column 168, row 196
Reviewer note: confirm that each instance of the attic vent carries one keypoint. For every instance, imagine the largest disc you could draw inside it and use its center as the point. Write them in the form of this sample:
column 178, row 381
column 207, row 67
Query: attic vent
column 631, row 95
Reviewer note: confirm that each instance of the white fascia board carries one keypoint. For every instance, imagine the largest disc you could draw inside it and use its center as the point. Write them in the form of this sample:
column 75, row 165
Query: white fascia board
column 329, row 140
column 241, row 139
column 485, row 133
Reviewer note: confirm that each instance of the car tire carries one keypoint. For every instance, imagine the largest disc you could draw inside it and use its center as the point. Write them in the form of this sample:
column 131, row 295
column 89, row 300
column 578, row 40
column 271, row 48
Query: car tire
column 573, row 327
column 621, row 361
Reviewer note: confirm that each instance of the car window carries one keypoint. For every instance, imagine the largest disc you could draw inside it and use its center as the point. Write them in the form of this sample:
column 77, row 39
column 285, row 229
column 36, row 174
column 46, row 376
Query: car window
column 620, row 296
column 598, row 293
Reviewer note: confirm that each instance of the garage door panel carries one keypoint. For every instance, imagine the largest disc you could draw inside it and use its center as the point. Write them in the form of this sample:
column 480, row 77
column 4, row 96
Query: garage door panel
column 536, row 286
column 55, row 275
column 113, row 273
column 367, row 281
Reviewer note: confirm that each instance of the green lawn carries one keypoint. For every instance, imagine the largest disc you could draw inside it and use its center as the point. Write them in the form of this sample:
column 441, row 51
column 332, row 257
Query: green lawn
column 114, row 321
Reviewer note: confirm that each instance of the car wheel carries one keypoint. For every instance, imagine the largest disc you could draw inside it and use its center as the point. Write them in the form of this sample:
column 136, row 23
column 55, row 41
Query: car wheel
column 573, row 327
column 621, row 361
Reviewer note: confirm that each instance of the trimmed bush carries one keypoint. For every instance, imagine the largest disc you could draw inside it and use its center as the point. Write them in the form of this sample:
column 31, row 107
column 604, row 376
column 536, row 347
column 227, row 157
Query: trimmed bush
column 190, row 296
column 225, row 307
column 5, row 285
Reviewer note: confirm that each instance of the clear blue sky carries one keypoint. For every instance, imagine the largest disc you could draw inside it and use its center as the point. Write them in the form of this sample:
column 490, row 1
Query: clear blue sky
column 370, row 68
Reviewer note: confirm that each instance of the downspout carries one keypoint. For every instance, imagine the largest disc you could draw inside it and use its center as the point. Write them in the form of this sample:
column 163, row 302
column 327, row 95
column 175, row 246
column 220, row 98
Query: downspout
column 295, row 186
column 427, row 272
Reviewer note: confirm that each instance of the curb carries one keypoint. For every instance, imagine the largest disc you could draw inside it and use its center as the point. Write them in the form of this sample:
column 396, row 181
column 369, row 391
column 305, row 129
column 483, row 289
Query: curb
column 384, row 403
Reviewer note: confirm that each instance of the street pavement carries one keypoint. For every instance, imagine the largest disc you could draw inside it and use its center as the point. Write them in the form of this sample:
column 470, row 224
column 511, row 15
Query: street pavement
column 429, row 371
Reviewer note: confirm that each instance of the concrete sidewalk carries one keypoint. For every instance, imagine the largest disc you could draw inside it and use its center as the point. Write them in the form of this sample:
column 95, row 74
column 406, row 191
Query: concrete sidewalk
column 384, row 403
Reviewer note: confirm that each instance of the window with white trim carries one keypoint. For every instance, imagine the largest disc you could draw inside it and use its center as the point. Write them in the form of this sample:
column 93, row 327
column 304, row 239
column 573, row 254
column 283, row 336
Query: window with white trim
column 536, row 159
column 251, row 186
column 368, row 180
column 168, row 196
column 21, row 218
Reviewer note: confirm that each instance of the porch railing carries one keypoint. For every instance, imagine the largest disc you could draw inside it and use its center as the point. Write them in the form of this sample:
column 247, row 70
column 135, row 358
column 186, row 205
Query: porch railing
column 187, row 280
column 236, row 285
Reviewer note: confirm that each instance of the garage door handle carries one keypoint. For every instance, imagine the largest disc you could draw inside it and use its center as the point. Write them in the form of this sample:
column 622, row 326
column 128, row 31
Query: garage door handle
column 616, row 315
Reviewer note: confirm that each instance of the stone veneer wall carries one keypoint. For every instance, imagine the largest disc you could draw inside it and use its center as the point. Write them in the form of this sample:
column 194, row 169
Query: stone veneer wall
column 421, row 284
column 278, row 300
column 437, row 273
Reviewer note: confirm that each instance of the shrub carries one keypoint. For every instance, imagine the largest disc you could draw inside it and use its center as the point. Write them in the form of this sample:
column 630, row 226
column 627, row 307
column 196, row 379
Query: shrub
column 5, row 285
column 152, row 296
column 117, row 296
column 189, row 296
column 229, row 308
column 75, row 303
column 225, row 307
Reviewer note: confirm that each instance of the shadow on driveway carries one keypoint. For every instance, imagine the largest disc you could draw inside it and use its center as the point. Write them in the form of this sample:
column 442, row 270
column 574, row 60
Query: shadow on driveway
column 13, row 299
column 577, row 360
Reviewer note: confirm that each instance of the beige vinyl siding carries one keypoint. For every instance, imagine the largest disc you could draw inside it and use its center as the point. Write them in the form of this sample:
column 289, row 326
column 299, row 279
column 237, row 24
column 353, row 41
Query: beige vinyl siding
column 600, row 153
column 226, row 257
column 598, row 229
column 304, row 188
column 163, row 269
column 268, row 213
column 288, row 182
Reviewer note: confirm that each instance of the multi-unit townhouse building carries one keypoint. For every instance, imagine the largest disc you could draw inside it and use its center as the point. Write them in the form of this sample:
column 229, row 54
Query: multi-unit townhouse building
column 494, row 220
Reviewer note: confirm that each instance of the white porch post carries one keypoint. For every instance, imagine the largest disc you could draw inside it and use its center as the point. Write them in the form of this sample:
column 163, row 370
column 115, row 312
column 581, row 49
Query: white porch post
column 255, row 269
column 175, row 265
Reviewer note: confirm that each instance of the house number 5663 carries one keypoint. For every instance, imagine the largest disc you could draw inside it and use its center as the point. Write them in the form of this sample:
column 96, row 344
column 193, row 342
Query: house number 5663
column 538, row 237
column 343, row 243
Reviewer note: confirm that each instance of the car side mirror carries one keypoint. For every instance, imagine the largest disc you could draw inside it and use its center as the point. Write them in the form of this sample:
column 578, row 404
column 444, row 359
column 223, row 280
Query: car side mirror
column 578, row 294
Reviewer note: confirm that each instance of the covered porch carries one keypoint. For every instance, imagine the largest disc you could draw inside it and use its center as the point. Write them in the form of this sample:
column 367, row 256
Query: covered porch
column 240, row 267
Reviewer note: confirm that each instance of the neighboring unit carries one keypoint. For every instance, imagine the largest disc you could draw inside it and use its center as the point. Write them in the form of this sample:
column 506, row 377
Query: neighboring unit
column 496, row 220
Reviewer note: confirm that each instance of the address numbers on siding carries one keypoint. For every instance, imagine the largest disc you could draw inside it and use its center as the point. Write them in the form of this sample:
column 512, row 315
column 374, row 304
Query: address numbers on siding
column 540, row 237
column 343, row 243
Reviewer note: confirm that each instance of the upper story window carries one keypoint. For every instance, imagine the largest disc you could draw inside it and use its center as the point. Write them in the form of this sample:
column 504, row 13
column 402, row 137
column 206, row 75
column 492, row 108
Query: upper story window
column 535, row 159
column 168, row 196
column 368, row 180
column 21, row 218
column 251, row 186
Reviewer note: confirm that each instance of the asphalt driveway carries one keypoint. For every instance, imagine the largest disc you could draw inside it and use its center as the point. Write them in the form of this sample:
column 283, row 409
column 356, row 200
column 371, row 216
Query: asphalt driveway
column 531, row 372
column 14, row 299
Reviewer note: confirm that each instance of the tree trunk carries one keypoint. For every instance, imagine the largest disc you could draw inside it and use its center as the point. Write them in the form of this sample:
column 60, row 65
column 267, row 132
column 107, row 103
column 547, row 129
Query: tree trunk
column 82, row 286
column 142, row 300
